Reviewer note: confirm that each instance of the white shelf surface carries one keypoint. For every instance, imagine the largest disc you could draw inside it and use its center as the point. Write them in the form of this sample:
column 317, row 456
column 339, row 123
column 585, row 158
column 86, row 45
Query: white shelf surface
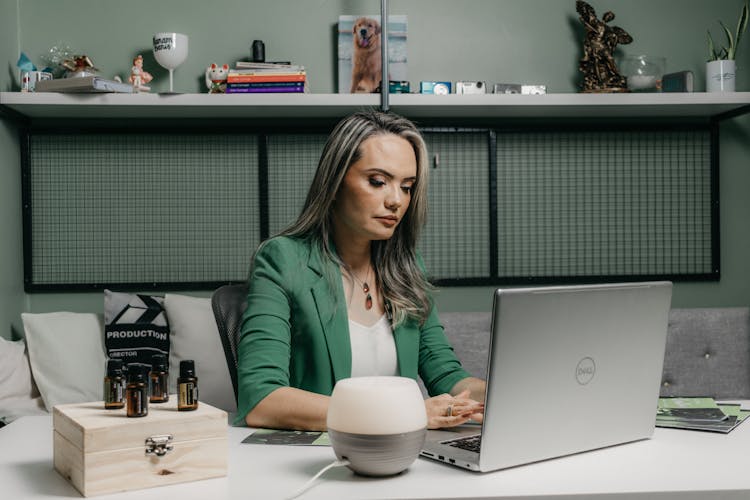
column 654, row 105
column 312, row 106
column 171, row 106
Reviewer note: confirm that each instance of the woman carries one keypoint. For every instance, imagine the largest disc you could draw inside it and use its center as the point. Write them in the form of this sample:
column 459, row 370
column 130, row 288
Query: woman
column 342, row 292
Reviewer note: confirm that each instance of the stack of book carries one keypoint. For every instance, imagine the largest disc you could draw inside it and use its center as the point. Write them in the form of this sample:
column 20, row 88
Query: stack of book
column 702, row 414
column 261, row 78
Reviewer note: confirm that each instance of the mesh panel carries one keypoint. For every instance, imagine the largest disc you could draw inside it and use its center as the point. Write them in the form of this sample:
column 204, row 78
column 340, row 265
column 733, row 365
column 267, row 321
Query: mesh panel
column 455, row 242
column 142, row 208
column 177, row 208
column 604, row 203
column 292, row 160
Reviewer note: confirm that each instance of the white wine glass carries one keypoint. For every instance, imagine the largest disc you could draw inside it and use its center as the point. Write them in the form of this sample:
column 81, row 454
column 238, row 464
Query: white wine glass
column 170, row 50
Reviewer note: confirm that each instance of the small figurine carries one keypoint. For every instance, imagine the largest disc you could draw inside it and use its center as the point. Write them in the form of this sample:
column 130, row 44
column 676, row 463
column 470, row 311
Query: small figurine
column 600, row 73
column 79, row 66
column 138, row 76
column 216, row 78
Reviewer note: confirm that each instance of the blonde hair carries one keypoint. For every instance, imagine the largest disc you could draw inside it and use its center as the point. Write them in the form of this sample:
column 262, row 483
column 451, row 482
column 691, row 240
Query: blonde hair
column 399, row 275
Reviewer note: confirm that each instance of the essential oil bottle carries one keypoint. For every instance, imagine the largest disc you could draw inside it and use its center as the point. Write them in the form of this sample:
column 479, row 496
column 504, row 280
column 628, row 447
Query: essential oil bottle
column 158, row 379
column 187, row 386
column 114, row 385
column 136, row 392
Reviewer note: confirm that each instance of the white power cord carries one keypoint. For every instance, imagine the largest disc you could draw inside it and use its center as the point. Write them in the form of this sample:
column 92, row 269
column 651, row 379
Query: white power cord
column 308, row 484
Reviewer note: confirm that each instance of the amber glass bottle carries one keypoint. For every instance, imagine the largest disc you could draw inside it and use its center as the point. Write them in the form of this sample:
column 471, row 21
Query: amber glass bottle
column 158, row 378
column 114, row 385
column 187, row 386
column 136, row 392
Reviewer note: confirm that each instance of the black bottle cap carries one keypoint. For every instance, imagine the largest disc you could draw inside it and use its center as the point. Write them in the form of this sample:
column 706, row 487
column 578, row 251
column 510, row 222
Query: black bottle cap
column 159, row 363
column 187, row 368
column 114, row 367
column 137, row 372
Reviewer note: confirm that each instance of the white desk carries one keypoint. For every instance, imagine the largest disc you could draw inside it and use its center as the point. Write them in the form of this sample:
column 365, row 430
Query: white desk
column 675, row 463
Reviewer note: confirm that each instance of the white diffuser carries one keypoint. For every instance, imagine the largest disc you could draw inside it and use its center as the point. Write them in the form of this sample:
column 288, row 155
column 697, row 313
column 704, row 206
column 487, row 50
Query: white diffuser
column 377, row 424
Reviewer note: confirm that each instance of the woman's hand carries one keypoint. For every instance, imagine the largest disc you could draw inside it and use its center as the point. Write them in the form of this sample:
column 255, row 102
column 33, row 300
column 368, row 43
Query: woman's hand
column 448, row 411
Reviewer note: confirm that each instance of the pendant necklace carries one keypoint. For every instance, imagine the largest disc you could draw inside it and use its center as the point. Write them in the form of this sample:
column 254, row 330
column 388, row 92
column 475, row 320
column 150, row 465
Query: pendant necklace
column 365, row 288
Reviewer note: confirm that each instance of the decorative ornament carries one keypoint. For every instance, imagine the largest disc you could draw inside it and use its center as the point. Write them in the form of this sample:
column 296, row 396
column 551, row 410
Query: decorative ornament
column 600, row 73
column 55, row 56
column 216, row 78
column 79, row 66
column 139, row 77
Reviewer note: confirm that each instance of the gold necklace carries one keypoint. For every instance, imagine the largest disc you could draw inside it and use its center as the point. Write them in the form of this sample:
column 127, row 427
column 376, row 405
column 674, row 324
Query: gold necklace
column 365, row 288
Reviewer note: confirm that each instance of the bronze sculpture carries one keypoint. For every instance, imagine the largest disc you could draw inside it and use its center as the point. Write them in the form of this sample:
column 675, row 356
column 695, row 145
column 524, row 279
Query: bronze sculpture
column 600, row 73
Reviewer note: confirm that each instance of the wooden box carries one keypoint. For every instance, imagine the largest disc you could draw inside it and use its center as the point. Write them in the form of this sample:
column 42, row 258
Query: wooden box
column 103, row 451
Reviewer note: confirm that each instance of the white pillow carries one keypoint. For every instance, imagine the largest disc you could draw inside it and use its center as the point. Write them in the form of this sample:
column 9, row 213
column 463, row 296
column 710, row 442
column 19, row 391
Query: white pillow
column 18, row 394
column 194, row 335
column 67, row 356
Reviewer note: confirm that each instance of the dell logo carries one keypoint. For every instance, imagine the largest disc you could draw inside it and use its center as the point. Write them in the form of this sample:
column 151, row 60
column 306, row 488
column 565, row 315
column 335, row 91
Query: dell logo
column 585, row 370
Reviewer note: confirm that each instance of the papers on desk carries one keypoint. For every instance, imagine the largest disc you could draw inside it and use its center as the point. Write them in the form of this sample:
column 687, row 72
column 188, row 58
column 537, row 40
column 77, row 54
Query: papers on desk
column 294, row 438
column 701, row 414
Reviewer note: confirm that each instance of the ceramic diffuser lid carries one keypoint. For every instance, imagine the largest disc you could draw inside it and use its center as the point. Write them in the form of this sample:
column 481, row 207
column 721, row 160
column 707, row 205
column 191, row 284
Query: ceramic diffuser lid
column 376, row 406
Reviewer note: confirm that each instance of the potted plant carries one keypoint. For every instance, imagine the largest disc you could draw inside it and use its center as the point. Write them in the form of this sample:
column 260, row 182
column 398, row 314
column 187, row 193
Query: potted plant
column 720, row 68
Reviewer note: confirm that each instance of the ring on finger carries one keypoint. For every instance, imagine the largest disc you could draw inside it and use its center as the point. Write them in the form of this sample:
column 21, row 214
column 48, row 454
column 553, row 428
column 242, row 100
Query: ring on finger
column 449, row 411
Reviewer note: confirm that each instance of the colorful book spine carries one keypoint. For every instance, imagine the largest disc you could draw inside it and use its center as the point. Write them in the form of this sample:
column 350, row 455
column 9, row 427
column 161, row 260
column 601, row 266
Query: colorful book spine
column 281, row 66
column 289, row 77
column 264, row 90
column 267, row 84
column 280, row 71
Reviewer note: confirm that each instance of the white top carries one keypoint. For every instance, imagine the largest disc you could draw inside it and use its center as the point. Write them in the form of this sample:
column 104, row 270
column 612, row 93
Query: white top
column 373, row 349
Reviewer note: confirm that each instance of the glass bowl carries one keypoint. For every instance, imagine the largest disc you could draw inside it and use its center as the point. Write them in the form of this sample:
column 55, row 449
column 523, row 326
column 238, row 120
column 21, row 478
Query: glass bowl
column 643, row 73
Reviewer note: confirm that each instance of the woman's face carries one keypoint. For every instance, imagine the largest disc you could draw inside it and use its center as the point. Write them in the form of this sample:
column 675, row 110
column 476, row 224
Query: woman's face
column 376, row 190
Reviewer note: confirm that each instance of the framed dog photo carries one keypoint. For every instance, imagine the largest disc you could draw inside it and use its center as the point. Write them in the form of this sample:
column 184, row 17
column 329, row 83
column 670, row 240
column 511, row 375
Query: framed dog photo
column 359, row 56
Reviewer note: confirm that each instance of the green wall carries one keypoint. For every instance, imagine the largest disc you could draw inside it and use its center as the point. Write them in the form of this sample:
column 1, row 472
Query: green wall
column 11, row 248
column 535, row 41
column 493, row 40
column 12, row 300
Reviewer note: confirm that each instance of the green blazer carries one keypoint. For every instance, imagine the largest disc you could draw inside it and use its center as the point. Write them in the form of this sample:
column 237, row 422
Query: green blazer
column 295, row 331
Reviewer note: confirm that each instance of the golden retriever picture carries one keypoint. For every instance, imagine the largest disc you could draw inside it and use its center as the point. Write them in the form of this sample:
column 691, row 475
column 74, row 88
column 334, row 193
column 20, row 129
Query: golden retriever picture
column 366, row 57
column 359, row 51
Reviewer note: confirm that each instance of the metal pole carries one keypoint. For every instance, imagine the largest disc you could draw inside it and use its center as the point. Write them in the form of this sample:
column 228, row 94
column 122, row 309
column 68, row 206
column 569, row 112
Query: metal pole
column 384, row 83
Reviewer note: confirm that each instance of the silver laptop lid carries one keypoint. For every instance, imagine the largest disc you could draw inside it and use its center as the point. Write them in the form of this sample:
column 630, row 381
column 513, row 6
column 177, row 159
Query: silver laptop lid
column 572, row 368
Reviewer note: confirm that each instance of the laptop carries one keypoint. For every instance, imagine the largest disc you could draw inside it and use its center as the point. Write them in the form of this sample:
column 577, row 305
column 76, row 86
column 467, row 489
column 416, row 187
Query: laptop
column 571, row 369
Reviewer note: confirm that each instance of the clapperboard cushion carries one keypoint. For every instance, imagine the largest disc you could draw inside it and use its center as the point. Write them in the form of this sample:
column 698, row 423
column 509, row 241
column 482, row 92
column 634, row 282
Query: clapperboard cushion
column 135, row 327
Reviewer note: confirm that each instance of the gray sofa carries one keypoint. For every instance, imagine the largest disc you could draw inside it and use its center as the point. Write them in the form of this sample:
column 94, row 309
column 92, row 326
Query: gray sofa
column 707, row 352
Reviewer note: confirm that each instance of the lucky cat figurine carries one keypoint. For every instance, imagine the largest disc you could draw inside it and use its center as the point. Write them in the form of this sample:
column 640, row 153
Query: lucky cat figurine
column 216, row 78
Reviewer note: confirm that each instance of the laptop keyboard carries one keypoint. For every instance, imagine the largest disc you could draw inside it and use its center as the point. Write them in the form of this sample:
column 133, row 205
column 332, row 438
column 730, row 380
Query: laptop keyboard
column 470, row 443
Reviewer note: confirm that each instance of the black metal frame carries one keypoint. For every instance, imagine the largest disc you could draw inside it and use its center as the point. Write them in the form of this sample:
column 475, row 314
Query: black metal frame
column 263, row 205
column 25, row 134
column 587, row 126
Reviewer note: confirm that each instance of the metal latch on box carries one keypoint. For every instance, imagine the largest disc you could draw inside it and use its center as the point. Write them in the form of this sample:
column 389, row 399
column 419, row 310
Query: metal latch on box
column 159, row 445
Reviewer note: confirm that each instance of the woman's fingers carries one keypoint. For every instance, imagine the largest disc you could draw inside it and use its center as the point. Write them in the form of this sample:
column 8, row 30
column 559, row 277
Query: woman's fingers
column 448, row 411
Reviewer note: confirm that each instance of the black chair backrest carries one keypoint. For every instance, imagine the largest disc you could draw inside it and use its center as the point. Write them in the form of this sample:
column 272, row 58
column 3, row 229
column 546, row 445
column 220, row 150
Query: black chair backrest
column 229, row 303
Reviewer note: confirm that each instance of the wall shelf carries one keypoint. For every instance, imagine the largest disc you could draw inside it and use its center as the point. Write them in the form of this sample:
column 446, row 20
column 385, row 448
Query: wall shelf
column 698, row 105
column 571, row 106
column 47, row 105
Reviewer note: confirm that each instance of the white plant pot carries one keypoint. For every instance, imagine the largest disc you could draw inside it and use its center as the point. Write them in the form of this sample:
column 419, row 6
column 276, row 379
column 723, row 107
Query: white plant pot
column 720, row 75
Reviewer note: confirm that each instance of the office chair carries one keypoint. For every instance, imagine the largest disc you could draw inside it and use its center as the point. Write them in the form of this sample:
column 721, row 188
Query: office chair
column 229, row 303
